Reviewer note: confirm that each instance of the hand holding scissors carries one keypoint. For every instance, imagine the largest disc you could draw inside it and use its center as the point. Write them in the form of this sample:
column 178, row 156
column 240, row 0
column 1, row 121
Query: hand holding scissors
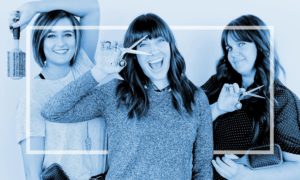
column 110, row 59
column 230, row 96
column 228, row 99
column 130, row 50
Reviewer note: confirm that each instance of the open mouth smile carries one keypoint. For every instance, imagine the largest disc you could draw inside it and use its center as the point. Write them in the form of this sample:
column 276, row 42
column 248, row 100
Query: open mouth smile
column 156, row 63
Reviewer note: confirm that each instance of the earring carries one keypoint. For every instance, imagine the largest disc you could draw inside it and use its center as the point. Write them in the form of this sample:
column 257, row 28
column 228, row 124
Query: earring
column 44, row 64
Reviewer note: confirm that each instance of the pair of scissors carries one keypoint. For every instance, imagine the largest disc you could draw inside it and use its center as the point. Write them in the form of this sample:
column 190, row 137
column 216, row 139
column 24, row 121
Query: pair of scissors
column 130, row 50
column 250, row 93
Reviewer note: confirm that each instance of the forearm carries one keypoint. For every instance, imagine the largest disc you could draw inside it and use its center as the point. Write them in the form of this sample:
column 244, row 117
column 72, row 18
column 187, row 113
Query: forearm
column 33, row 162
column 76, row 102
column 288, row 170
column 79, row 8
column 215, row 111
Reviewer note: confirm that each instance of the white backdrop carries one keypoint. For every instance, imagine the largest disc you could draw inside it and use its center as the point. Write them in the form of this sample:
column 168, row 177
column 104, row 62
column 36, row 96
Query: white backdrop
column 201, row 49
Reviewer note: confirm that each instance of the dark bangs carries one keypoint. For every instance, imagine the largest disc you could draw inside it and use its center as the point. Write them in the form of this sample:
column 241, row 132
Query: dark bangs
column 237, row 35
column 147, row 24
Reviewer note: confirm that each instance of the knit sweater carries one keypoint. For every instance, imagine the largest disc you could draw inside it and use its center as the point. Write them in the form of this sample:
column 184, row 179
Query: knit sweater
column 163, row 144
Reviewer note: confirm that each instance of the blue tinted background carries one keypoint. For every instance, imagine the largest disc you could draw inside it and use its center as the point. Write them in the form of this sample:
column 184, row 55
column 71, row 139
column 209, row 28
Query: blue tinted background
column 201, row 49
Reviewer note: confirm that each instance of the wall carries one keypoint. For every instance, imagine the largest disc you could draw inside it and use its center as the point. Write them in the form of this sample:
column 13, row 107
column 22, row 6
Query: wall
column 201, row 49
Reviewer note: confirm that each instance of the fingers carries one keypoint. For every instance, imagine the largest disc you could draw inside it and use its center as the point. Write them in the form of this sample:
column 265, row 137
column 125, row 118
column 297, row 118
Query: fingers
column 231, row 156
column 236, row 88
column 242, row 90
column 222, row 172
column 233, row 89
column 109, row 61
column 238, row 105
column 229, row 162
column 222, row 164
column 225, row 167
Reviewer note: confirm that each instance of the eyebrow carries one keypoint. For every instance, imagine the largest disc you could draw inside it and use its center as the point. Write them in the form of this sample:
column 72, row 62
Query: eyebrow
column 65, row 31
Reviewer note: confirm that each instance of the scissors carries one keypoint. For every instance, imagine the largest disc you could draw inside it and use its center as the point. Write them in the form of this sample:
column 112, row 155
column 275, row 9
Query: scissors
column 250, row 93
column 130, row 50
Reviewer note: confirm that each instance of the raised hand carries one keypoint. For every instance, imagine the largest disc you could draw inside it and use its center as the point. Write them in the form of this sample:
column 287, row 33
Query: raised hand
column 229, row 169
column 108, row 61
column 27, row 12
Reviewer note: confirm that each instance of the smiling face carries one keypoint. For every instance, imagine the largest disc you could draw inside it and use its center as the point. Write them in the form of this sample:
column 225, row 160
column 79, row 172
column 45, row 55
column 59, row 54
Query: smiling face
column 241, row 55
column 60, row 44
column 155, row 66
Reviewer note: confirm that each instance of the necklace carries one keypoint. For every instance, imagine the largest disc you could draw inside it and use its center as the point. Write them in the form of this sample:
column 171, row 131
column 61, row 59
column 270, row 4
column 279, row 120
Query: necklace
column 88, row 140
column 63, row 80
column 155, row 88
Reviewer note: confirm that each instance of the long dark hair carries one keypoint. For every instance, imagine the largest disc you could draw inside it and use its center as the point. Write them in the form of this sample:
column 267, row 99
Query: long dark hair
column 259, row 34
column 44, row 21
column 131, row 91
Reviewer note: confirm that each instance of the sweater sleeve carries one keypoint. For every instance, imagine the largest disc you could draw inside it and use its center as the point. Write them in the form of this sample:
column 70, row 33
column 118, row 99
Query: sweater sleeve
column 287, row 120
column 203, row 146
column 78, row 101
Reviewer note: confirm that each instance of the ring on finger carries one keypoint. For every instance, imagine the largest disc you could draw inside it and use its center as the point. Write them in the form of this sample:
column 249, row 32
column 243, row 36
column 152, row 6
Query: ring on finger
column 122, row 63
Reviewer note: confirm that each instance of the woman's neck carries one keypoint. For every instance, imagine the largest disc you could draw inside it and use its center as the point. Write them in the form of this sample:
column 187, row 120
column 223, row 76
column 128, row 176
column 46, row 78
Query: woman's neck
column 161, row 84
column 248, row 79
column 54, row 72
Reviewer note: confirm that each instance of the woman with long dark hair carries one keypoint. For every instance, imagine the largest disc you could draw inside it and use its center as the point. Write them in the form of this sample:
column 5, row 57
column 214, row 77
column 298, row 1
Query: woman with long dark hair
column 158, row 122
column 242, row 122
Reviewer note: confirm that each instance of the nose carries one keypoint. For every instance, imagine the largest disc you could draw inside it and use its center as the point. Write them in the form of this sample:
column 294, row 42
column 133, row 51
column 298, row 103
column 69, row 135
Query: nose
column 60, row 41
column 154, row 48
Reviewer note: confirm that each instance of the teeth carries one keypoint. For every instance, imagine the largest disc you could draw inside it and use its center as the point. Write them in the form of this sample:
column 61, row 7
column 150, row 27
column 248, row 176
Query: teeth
column 156, row 64
column 62, row 51
column 155, row 61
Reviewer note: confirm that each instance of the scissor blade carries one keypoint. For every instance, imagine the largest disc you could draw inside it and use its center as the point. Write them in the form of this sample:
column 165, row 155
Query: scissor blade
column 252, row 90
column 254, row 95
column 137, row 42
column 137, row 52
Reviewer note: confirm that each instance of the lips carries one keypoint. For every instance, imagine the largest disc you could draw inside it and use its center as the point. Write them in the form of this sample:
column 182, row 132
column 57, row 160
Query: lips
column 238, row 60
column 156, row 63
column 60, row 51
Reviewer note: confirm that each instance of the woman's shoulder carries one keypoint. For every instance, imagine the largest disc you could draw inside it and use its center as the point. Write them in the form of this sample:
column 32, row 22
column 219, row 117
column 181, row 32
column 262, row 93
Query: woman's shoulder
column 200, row 94
column 286, row 103
column 282, row 94
column 200, row 97
column 211, row 81
column 211, row 84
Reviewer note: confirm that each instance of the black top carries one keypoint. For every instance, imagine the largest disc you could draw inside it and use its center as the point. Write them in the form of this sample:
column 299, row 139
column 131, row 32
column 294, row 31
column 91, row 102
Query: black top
column 234, row 130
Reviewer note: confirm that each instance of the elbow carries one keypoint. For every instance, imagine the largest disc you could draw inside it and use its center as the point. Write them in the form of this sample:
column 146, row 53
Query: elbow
column 93, row 8
column 46, row 114
column 49, row 116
